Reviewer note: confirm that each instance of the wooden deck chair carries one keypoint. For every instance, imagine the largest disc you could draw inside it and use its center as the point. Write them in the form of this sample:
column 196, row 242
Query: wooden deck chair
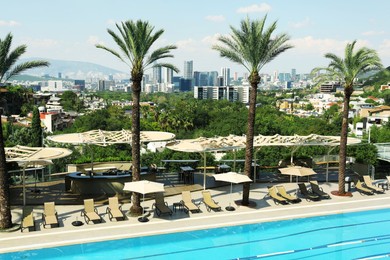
column 160, row 206
column 368, row 182
column 28, row 220
column 49, row 215
column 209, row 202
column 308, row 195
column 316, row 189
column 290, row 198
column 89, row 212
column 188, row 202
column 363, row 190
column 272, row 192
column 114, row 210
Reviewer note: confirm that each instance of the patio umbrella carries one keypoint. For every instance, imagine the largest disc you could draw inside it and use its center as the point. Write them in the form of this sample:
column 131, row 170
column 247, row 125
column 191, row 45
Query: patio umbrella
column 297, row 171
column 144, row 187
column 232, row 177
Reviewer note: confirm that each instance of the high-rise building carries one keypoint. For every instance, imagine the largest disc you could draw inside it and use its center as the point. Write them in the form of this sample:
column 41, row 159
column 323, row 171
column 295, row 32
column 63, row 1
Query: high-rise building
column 213, row 78
column 168, row 75
column 188, row 69
column 294, row 74
column 157, row 77
column 225, row 73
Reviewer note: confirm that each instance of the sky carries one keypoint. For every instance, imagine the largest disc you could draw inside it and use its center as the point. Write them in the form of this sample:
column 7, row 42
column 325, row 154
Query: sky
column 69, row 30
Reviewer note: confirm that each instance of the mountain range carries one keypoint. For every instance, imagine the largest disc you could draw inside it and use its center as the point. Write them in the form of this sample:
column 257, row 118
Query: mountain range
column 74, row 70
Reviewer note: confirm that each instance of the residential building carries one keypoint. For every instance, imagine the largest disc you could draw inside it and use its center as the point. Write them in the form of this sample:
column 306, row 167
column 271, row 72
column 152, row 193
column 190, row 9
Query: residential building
column 225, row 73
column 188, row 69
column 230, row 93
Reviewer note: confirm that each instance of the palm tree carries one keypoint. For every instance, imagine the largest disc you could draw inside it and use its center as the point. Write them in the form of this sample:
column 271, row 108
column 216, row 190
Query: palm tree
column 8, row 58
column 135, row 41
column 346, row 70
column 252, row 46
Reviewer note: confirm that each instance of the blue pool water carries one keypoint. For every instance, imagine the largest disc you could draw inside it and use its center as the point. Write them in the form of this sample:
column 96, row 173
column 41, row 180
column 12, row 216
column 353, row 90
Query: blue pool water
column 343, row 236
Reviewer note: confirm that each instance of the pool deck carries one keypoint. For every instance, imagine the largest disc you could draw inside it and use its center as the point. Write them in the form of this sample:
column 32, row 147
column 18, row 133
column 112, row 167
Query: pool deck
column 264, row 211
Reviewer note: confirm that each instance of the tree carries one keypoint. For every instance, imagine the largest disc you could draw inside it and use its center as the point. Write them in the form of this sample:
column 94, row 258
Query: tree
column 347, row 70
column 8, row 58
column 135, row 41
column 252, row 46
column 36, row 129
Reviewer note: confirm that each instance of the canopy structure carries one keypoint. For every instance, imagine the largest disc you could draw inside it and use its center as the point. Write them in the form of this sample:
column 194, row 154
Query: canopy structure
column 104, row 138
column 204, row 144
column 33, row 156
column 297, row 171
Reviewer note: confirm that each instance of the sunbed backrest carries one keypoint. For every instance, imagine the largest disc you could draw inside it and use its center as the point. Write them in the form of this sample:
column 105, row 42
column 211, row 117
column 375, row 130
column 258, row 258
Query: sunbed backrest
column 49, row 208
column 89, row 205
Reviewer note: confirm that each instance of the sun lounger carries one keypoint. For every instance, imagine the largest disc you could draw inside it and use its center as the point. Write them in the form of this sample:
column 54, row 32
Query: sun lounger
column 188, row 202
column 272, row 192
column 209, row 202
column 114, row 210
column 160, row 206
column 363, row 190
column 368, row 183
column 290, row 198
column 28, row 221
column 316, row 189
column 309, row 196
column 89, row 212
column 49, row 215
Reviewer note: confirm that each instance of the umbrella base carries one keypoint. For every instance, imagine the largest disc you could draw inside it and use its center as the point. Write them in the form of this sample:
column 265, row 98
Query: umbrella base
column 143, row 219
column 230, row 208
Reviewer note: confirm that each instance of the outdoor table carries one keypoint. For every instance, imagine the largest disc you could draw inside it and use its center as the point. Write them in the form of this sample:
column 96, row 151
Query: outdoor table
column 187, row 174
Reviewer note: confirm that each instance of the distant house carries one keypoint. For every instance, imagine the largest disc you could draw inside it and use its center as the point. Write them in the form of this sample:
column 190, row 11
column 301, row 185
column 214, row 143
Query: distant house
column 376, row 116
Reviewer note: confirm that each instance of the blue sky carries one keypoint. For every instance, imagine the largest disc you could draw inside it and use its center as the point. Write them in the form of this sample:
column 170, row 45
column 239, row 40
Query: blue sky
column 69, row 29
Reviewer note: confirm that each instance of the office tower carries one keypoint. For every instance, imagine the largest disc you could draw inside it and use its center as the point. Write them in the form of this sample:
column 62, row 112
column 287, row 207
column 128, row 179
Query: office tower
column 110, row 77
column 235, row 76
column 225, row 73
column 294, row 74
column 188, row 69
column 213, row 78
column 157, row 77
column 168, row 75
column 59, row 75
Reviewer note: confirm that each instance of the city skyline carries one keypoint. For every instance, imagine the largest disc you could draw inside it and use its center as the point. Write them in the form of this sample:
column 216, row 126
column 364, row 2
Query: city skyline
column 70, row 31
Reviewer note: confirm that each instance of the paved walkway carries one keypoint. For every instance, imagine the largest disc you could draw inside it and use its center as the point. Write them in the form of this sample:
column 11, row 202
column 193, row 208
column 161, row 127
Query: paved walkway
column 265, row 210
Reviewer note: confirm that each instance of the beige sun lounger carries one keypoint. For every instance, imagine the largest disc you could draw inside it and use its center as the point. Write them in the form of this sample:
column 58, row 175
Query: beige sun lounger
column 188, row 202
column 28, row 221
column 49, row 215
column 209, row 202
column 361, row 189
column 89, row 212
column 290, row 198
column 368, row 182
column 160, row 206
column 272, row 192
column 114, row 210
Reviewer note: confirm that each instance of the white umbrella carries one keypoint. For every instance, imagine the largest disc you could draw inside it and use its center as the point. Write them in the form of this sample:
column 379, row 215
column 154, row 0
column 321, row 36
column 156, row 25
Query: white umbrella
column 232, row 177
column 298, row 171
column 144, row 187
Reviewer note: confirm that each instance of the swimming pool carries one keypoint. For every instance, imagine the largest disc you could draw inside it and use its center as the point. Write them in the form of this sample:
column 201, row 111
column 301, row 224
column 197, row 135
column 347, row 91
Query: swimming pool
column 355, row 235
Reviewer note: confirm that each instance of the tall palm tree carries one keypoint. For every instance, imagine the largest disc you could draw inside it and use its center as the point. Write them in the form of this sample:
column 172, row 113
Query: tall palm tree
column 8, row 59
column 252, row 46
column 135, row 41
column 346, row 70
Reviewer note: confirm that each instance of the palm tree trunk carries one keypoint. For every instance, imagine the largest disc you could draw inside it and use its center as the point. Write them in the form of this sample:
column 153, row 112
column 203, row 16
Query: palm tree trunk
column 254, row 79
column 343, row 140
column 135, row 145
column 5, row 206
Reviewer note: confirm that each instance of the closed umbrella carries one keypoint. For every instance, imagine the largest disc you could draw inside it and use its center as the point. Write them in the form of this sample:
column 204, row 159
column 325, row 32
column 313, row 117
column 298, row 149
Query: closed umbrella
column 232, row 177
column 298, row 171
column 144, row 187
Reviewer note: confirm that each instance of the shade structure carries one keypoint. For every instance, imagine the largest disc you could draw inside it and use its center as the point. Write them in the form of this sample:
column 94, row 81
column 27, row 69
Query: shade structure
column 33, row 156
column 144, row 187
column 232, row 177
column 298, row 171
column 104, row 138
column 203, row 145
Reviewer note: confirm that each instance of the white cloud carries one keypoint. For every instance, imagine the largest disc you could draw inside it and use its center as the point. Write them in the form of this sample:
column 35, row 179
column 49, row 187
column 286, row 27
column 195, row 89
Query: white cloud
column 309, row 44
column 188, row 44
column 384, row 51
column 211, row 39
column 93, row 40
column 215, row 18
column 9, row 23
column 373, row 33
column 263, row 7
column 301, row 24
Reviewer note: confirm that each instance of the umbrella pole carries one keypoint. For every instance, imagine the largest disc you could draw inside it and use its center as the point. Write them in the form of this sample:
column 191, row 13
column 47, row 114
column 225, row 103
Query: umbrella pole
column 24, row 185
column 230, row 207
column 204, row 171
column 143, row 218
